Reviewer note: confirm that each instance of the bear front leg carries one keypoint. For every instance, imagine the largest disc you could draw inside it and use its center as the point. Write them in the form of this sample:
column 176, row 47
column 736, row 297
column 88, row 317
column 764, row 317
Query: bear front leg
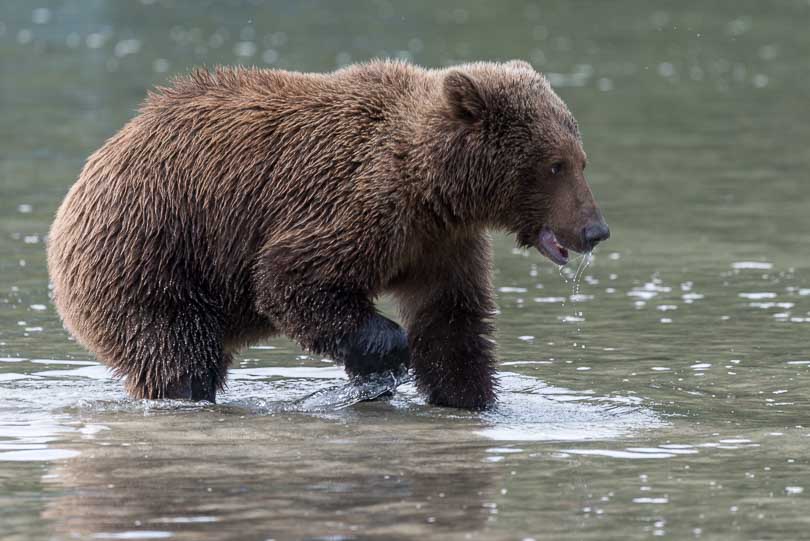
column 379, row 345
column 328, row 318
column 453, row 358
column 447, row 305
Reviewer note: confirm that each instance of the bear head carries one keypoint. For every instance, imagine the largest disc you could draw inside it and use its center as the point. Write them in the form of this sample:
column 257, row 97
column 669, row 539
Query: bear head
column 516, row 150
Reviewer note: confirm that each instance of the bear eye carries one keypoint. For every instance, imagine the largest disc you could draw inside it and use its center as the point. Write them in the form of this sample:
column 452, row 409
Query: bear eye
column 556, row 168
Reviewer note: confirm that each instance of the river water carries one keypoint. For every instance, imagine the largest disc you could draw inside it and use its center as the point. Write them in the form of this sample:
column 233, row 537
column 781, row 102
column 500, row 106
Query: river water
column 663, row 395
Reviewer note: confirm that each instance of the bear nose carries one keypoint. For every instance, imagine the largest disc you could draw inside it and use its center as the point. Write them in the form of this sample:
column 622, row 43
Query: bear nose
column 593, row 234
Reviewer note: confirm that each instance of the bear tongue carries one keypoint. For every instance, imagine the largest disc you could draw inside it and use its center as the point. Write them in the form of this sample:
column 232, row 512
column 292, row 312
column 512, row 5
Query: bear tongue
column 550, row 248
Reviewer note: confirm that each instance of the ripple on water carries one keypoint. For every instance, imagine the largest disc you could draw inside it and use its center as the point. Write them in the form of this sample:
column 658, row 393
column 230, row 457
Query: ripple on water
column 612, row 453
column 134, row 534
column 37, row 455
column 530, row 410
column 751, row 265
column 758, row 295
column 664, row 451
column 26, row 436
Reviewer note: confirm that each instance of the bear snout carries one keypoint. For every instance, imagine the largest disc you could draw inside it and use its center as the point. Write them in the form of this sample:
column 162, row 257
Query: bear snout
column 594, row 233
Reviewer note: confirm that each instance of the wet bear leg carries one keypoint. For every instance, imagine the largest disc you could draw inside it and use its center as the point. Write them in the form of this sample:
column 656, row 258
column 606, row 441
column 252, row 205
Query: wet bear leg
column 175, row 356
column 327, row 318
column 447, row 305
column 379, row 345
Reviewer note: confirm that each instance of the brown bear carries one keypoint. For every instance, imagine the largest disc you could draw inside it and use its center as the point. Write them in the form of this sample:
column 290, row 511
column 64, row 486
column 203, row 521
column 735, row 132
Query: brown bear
column 243, row 203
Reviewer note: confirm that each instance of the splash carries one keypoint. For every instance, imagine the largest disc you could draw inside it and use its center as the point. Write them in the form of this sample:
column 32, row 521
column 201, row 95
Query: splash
column 353, row 392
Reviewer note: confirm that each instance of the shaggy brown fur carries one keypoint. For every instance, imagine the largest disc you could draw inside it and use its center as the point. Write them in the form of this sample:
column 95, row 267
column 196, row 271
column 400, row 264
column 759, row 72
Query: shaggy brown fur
column 244, row 203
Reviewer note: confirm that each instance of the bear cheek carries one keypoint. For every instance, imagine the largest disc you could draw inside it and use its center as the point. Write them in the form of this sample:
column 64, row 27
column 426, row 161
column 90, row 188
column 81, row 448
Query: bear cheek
column 567, row 217
column 527, row 217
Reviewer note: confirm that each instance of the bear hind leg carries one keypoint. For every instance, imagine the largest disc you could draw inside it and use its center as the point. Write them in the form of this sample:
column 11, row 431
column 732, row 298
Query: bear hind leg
column 179, row 357
column 196, row 386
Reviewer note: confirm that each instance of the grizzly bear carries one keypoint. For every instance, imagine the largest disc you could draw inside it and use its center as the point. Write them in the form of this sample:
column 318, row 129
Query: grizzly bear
column 245, row 203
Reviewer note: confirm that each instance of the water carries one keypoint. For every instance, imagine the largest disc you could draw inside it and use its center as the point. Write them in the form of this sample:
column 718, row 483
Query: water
column 685, row 414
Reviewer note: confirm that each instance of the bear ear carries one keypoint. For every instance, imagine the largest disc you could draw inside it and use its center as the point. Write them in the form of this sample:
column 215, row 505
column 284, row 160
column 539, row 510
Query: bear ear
column 464, row 96
column 520, row 64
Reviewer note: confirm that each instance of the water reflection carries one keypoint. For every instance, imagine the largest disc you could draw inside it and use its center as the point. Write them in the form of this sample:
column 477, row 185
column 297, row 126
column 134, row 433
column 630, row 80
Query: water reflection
column 272, row 477
column 293, row 475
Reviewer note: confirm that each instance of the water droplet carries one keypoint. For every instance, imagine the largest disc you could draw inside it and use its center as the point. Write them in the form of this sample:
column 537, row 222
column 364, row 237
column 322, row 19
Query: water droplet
column 244, row 49
column 41, row 16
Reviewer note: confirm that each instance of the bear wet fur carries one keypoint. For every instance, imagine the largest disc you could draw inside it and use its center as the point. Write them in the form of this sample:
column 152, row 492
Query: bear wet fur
column 243, row 203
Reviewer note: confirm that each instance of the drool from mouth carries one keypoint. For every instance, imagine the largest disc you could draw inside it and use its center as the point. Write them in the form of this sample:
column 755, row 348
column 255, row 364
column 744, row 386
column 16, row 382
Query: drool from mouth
column 550, row 247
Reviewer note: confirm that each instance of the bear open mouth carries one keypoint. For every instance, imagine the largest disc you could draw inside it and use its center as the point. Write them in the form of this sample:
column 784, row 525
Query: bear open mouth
column 550, row 247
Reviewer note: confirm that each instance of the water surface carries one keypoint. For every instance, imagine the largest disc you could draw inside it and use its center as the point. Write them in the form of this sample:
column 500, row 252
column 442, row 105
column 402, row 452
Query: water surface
column 666, row 396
